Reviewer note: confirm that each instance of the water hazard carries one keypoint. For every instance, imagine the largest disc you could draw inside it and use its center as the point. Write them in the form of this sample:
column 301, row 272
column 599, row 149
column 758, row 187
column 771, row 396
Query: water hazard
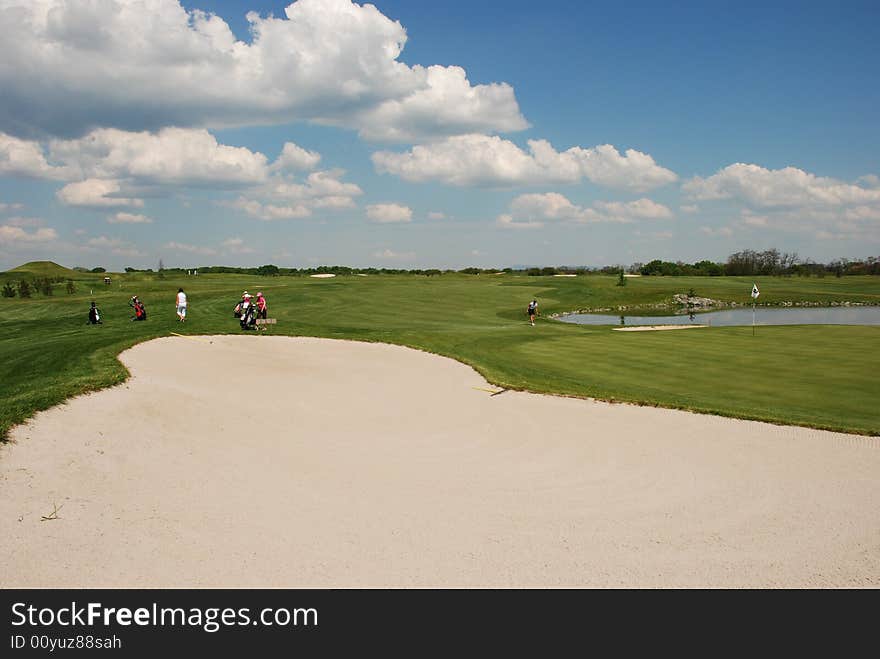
column 742, row 316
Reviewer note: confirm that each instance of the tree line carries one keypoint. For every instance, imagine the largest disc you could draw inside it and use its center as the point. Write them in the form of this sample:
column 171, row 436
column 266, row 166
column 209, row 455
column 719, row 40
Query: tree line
column 770, row 262
column 745, row 263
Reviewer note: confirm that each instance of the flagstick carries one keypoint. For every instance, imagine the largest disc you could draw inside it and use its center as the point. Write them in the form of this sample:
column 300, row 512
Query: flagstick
column 753, row 318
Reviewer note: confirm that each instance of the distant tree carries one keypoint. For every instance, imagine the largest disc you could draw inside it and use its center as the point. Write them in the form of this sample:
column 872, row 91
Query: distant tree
column 45, row 286
column 99, row 269
column 130, row 269
column 8, row 290
column 838, row 267
column 548, row 272
column 24, row 289
column 268, row 270
column 666, row 268
column 708, row 268
column 161, row 265
column 621, row 280
column 71, row 287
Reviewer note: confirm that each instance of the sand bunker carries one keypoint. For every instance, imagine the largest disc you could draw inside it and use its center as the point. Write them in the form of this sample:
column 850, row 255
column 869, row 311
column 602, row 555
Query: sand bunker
column 652, row 328
column 293, row 462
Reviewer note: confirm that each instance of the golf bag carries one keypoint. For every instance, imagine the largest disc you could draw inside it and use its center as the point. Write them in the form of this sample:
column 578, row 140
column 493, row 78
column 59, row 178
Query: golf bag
column 140, row 312
column 94, row 315
column 248, row 319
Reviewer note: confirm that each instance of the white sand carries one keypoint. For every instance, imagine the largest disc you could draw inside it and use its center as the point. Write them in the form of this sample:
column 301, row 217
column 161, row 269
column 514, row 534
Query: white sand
column 652, row 328
column 293, row 462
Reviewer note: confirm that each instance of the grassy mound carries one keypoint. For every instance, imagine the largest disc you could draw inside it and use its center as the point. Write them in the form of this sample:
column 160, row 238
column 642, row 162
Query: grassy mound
column 40, row 269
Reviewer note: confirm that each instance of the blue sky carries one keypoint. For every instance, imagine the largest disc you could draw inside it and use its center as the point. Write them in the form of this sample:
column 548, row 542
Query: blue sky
column 515, row 133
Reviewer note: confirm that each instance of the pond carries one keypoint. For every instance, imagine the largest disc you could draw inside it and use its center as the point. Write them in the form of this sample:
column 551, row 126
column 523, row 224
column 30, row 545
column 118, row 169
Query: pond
column 741, row 316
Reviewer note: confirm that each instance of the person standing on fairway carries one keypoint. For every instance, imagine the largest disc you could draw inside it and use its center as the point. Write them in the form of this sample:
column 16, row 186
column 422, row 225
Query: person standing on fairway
column 94, row 315
column 181, row 305
column 533, row 311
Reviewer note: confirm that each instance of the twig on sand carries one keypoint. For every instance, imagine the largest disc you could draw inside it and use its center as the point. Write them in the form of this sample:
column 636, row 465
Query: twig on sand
column 491, row 391
column 53, row 514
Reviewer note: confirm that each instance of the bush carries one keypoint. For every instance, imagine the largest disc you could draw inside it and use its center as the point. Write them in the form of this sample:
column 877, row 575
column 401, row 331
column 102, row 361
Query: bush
column 45, row 286
column 8, row 290
column 99, row 269
column 71, row 287
column 24, row 289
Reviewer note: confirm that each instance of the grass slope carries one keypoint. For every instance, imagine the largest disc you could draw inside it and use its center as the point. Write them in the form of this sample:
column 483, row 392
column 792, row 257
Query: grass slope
column 821, row 376
column 39, row 269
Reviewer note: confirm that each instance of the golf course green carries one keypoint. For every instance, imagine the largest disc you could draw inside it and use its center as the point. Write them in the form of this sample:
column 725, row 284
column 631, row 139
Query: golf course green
column 817, row 376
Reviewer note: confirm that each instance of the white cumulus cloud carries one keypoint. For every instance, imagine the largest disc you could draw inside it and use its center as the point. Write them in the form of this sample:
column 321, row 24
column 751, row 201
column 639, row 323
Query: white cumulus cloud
column 129, row 218
column 640, row 209
column 20, row 157
column 14, row 235
column 533, row 211
column 389, row 213
column 174, row 156
column 67, row 67
column 793, row 200
column 108, row 162
column 777, row 187
column 484, row 160
column 446, row 104
column 95, row 193
column 294, row 157
column 270, row 212
column 283, row 199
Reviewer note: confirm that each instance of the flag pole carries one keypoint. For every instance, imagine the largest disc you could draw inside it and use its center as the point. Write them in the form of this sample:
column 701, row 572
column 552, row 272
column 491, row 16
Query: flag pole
column 755, row 295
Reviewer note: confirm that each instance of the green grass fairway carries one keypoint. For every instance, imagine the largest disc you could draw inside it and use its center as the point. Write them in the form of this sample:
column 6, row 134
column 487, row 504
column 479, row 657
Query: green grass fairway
column 820, row 376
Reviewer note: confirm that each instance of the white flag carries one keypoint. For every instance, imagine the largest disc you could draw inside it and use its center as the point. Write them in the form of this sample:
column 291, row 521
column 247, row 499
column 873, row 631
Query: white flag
column 755, row 292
